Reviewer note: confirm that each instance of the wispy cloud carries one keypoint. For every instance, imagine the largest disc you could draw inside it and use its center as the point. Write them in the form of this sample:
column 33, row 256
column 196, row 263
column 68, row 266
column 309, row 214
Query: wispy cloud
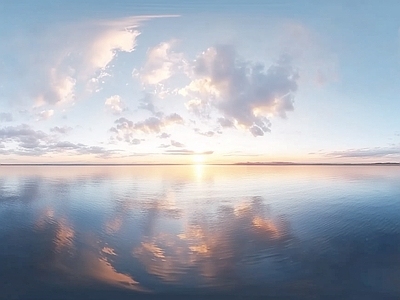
column 186, row 152
column 147, row 103
column 177, row 144
column 208, row 133
column 66, row 56
column 377, row 152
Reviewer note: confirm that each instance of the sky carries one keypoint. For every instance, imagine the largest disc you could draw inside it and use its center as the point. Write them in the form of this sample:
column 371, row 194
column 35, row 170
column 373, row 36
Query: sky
column 199, row 82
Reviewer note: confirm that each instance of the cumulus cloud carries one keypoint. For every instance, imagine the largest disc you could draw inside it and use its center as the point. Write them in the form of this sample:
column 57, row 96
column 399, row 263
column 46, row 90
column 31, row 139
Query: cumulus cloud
column 150, row 125
column 161, row 64
column 244, row 93
column 24, row 136
column 29, row 142
column 45, row 114
column 164, row 135
column 115, row 105
column 173, row 118
column 61, row 130
column 136, row 141
column 126, row 129
column 6, row 117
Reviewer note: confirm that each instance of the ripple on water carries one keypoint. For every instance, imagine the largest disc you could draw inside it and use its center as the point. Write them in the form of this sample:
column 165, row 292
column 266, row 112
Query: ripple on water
column 312, row 232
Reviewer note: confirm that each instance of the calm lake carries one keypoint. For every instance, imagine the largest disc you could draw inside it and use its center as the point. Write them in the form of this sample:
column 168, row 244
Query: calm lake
column 122, row 232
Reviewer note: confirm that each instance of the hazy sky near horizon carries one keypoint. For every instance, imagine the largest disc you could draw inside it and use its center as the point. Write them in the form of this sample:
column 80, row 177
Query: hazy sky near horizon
column 189, row 81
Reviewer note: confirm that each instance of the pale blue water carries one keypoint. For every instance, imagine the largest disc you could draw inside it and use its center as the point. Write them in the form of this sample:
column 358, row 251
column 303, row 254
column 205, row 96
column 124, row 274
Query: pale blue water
column 290, row 232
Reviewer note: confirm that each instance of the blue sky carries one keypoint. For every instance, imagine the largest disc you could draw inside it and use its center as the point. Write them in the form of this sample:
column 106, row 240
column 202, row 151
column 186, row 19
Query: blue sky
column 184, row 81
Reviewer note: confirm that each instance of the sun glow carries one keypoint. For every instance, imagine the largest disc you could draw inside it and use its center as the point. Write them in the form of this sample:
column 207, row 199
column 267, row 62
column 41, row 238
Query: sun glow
column 198, row 159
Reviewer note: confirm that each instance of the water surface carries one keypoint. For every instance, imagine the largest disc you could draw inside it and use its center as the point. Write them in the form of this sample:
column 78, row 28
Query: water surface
column 291, row 232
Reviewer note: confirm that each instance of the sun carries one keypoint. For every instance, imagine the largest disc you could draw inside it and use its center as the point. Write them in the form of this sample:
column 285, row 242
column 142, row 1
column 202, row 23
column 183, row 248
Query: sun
column 198, row 159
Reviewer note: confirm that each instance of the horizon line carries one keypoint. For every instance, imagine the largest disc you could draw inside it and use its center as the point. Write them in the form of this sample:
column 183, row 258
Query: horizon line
column 206, row 164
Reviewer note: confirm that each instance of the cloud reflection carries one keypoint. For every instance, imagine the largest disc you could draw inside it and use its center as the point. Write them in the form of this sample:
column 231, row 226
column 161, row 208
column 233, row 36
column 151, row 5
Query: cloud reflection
column 77, row 256
column 167, row 233
column 211, row 248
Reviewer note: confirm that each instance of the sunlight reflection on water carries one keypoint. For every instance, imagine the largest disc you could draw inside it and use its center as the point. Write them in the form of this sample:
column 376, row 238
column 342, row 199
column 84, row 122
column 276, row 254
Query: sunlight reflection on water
column 276, row 231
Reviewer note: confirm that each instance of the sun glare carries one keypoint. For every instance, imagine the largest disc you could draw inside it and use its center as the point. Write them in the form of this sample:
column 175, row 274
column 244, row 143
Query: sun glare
column 198, row 159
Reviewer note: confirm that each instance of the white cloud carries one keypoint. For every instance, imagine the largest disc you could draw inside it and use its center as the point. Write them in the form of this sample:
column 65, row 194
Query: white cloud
column 45, row 114
column 24, row 136
column 108, row 43
column 26, row 141
column 242, row 92
column 127, row 130
column 150, row 125
column 161, row 64
column 64, row 59
column 114, row 104
column 58, row 88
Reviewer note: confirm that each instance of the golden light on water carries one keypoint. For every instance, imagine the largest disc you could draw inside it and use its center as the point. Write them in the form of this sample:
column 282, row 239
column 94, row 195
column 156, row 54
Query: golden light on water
column 199, row 171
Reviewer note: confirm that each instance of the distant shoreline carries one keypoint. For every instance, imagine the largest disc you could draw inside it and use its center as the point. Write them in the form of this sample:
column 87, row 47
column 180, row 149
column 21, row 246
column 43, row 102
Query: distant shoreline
column 220, row 164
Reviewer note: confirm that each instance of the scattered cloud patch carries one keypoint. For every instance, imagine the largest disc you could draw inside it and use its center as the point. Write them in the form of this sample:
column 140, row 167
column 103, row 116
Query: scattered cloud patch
column 24, row 136
column 136, row 141
column 164, row 146
column 126, row 129
column 173, row 118
column 26, row 141
column 161, row 64
column 177, row 144
column 115, row 105
column 68, row 57
column 146, row 103
column 52, row 87
column 150, row 125
column 61, row 130
column 44, row 115
column 164, row 135
column 204, row 133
